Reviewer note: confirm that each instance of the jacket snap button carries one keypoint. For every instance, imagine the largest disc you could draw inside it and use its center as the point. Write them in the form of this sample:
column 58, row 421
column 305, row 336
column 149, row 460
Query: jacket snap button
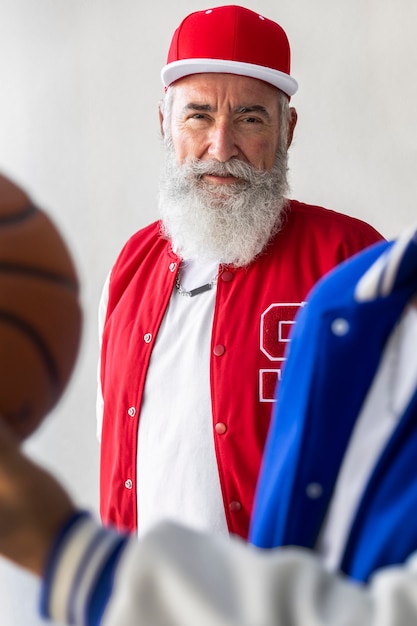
column 314, row 490
column 219, row 350
column 220, row 428
column 235, row 506
column 340, row 327
column 227, row 276
column 147, row 338
column 128, row 484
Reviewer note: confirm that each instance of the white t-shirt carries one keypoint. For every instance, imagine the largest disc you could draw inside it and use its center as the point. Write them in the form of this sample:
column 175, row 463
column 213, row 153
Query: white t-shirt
column 177, row 475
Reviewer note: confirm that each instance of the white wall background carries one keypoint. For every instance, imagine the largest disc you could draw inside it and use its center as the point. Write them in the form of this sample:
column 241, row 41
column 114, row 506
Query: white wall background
column 79, row 85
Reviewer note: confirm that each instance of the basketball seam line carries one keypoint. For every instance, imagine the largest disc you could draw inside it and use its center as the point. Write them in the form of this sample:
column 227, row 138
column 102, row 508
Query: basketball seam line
column 18, row 217
column 39, row 273
column 36, row 339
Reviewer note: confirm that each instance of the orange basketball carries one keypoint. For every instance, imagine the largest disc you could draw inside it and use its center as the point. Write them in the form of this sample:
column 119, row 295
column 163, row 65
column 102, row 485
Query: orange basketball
column 40, row 314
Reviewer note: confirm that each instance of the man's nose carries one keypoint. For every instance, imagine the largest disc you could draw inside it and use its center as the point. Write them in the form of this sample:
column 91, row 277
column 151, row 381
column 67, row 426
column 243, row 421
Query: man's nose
column 222, row 143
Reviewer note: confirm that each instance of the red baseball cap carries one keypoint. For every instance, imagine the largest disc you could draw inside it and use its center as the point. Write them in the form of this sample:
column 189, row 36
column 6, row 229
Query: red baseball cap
column 233, row 40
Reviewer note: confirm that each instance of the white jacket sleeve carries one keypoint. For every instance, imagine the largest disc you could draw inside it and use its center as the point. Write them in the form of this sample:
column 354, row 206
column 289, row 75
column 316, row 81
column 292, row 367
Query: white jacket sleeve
column 178, row 577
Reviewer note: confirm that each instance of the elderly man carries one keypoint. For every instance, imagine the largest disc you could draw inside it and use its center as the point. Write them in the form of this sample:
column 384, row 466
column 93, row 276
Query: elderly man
column 196, row 313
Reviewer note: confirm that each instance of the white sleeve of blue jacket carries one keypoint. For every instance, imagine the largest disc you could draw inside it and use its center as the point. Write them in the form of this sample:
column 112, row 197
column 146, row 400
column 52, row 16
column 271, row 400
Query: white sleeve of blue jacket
column 175, row 576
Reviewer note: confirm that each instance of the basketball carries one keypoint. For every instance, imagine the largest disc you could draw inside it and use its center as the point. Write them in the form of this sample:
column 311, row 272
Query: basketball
column 40, row 313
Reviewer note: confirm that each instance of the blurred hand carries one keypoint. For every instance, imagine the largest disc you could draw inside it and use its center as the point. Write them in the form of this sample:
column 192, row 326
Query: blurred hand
column 33, row 506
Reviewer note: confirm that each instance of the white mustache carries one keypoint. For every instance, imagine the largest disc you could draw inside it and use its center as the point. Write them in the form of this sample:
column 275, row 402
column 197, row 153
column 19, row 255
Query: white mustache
column 235, row 168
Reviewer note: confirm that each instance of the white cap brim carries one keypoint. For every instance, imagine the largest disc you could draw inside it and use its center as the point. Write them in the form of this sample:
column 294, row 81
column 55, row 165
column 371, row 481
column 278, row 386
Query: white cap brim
column 178, row 69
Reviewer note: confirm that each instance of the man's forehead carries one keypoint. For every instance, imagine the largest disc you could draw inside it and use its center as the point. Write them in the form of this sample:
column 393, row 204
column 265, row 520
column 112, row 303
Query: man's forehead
column 209, row 88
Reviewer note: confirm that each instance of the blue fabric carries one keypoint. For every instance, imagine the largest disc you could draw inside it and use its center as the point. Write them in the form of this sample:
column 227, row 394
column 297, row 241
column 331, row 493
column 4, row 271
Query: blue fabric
column 324, row 384
column 103, row 587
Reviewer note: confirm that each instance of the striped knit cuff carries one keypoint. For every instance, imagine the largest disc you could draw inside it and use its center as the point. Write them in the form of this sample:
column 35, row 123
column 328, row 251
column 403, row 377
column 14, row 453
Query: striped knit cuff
column 79, row 573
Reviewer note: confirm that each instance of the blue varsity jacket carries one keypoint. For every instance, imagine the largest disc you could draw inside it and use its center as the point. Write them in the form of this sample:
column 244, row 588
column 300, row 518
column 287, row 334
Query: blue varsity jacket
column 334, row 354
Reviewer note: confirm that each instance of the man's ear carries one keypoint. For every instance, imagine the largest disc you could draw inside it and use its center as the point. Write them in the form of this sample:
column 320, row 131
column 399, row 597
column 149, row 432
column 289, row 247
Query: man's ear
column 161, row 117
column 291, row 125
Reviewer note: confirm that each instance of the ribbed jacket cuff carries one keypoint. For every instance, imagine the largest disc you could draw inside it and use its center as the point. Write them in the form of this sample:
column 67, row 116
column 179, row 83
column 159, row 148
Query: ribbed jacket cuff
column 79, row 572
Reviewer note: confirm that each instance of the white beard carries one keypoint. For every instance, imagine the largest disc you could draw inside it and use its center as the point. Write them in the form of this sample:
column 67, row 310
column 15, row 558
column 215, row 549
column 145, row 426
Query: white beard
column 232, row 226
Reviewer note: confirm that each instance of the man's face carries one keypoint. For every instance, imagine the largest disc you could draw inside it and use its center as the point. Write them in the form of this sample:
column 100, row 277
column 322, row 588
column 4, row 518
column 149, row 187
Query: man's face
column 224, row 181
column 224, row 117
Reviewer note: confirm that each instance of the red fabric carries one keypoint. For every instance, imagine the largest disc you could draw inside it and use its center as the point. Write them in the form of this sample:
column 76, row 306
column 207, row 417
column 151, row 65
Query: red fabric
column 253, row 316
column 240, row 35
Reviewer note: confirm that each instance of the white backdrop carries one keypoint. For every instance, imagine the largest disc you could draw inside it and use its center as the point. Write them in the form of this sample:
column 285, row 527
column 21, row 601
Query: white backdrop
column 79, row 85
